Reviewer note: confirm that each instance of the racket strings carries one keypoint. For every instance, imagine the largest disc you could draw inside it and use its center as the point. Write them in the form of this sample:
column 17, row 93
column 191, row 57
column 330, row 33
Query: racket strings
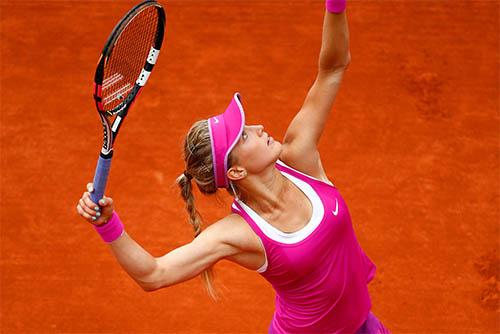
column 128, row 57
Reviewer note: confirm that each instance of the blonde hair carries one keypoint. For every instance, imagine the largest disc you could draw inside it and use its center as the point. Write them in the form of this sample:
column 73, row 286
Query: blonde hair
column 199, row 167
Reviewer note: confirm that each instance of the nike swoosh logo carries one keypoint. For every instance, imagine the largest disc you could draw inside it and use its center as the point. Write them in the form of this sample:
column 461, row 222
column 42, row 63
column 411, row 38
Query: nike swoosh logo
column 336, row 211
column 216, row 120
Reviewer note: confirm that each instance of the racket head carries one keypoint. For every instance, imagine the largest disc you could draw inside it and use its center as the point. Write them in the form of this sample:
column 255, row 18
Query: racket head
column 126, row 61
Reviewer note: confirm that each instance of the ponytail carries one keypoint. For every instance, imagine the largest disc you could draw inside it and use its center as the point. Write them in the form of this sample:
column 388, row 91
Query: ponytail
column 184, row 182
column 197, row 154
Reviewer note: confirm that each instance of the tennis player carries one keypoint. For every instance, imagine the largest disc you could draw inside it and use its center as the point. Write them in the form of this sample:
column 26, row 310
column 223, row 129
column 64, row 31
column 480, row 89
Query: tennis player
column 288, row 221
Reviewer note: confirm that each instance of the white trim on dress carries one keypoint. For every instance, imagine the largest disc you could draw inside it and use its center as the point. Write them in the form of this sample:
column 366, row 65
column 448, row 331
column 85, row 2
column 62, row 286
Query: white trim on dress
column 291, row 238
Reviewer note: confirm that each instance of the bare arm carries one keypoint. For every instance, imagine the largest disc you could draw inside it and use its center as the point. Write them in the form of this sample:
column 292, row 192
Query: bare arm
column 334, row 51
column 304, row 132
column 178, row 265
column 134, row 259
column 188, row 261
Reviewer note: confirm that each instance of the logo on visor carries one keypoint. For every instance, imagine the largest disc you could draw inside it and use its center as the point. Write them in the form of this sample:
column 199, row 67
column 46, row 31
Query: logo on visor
column 216, row 120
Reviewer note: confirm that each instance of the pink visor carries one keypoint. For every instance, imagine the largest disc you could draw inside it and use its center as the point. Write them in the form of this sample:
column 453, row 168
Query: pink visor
column 225, row 131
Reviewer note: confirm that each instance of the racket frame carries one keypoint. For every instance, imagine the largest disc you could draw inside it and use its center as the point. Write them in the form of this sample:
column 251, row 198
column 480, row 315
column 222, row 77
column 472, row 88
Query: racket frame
column 110, row 131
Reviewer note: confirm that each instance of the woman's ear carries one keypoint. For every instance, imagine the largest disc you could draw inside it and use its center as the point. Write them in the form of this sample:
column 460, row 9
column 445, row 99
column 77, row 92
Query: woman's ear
column 236, row 173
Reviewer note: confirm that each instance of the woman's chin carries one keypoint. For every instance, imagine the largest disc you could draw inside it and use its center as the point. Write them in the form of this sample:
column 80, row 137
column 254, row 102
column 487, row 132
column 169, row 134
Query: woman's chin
column 276, row 146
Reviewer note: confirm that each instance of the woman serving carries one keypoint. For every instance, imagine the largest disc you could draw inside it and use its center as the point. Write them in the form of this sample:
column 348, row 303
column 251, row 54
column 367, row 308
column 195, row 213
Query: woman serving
column 288, row 221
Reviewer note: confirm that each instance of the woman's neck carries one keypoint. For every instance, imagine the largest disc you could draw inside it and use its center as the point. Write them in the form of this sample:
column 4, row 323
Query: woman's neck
column 265, row 193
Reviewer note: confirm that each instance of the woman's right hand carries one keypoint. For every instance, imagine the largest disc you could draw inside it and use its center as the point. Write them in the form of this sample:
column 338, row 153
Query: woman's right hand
column 93, row 213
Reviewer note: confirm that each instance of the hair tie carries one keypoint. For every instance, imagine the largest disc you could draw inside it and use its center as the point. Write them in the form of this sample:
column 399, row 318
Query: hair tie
column 188, row 176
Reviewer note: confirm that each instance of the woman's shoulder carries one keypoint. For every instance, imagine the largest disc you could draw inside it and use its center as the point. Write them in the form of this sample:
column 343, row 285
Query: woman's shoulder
column 236, row 232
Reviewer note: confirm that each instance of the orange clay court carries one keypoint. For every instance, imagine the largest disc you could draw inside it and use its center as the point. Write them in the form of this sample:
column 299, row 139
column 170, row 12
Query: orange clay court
column 412, row 144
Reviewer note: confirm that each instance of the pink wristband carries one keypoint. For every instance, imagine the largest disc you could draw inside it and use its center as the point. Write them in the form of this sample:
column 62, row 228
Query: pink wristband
column 112, row 230
column 335, row 6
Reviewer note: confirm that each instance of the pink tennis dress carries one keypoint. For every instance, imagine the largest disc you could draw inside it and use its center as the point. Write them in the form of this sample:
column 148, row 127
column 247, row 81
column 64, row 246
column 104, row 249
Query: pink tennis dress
column 320, row 273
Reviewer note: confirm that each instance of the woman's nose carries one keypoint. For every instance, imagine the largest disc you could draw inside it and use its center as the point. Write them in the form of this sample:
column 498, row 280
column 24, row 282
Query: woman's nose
column 260, row 130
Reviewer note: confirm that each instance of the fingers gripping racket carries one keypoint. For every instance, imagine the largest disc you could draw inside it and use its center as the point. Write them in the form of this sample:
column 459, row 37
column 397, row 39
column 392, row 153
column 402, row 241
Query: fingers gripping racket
column 123, row 69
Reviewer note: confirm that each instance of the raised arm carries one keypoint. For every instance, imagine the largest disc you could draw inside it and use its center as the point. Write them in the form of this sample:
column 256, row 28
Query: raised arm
column 303, row 134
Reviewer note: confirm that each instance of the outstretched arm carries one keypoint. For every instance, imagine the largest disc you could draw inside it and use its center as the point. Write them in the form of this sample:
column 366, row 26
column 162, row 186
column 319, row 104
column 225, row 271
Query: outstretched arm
column 152, row 273
column 178, row 265
column 303, row 134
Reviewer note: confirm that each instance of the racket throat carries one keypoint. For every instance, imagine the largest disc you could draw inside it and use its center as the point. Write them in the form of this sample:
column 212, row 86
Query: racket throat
column 108, row 137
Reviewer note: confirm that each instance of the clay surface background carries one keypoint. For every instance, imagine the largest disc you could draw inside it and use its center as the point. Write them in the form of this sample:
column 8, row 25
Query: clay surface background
column 412, row 144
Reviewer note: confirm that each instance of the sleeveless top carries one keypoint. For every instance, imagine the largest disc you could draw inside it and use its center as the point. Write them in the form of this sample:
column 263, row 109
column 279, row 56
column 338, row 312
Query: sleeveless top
column 320, row 273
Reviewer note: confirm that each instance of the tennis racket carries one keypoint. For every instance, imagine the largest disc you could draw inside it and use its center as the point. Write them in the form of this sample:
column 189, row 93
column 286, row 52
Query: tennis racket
column 123, row 69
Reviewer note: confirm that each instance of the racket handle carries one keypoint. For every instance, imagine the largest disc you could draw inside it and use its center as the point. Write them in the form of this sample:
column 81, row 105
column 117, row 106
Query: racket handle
column 100, row 178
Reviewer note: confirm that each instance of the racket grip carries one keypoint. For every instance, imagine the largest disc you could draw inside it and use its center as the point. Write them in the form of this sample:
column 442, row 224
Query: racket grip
column 100, row 179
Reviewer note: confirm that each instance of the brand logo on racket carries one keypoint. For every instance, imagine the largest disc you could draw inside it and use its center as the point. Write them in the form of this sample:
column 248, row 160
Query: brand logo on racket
column 111, row 80
column 336, row 211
